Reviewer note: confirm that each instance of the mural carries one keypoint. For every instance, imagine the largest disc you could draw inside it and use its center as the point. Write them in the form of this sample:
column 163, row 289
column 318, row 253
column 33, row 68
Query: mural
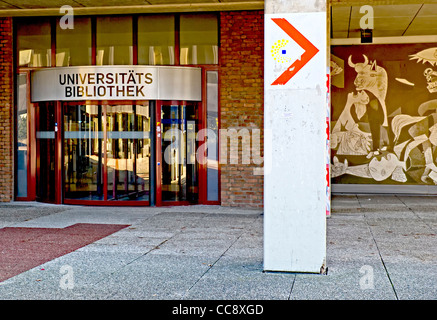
column 384, row 114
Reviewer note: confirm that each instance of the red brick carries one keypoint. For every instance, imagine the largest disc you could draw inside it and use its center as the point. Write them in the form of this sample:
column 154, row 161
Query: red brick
column 6, row 113
column 241, row 100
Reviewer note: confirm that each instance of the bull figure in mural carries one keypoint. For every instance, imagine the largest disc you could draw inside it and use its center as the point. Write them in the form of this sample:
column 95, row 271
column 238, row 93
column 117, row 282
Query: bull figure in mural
column 373, row 79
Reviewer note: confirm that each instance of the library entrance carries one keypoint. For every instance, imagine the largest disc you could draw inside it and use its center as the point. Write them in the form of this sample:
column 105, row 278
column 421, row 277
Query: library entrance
column 116, row 152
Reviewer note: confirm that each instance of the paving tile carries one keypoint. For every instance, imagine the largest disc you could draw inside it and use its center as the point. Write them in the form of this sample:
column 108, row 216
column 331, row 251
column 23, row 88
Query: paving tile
column 213, row 252
column 239, row 279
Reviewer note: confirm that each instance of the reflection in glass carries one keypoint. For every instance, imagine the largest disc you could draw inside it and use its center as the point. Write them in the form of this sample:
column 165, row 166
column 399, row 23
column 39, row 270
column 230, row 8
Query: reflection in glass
column 45, row 144
column 22, row 135
column 198, row 39
column 179, row 168
column 34, row 42
column 156, row 40
column 73, row 46
column 212, row 142
column 114, row 40
column 128, row 152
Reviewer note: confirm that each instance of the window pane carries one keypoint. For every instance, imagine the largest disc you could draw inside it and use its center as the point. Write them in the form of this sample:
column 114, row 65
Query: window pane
column 199, row 39
column 73, row 46
column 114, row 41
column 212, row 120
column 156, row 39
column 22, row 135
column 34, row 42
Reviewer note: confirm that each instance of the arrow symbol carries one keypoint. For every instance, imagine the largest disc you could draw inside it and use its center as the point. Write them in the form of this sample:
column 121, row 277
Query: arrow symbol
column 310, row 51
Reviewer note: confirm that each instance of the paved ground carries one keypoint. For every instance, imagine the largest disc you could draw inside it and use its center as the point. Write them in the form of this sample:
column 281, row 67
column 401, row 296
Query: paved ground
column 378, row 247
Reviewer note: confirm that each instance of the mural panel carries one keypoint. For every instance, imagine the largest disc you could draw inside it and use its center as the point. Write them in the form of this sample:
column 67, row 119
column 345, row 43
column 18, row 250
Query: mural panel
column 384, row 114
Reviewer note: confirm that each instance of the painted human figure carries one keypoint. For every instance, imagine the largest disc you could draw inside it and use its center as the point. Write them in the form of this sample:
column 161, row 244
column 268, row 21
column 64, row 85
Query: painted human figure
column 371, row 90
column 347, row 137
column 414, row 131
column 373, row 79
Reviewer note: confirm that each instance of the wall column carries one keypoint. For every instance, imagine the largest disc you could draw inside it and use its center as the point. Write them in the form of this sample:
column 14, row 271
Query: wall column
column 6, row 112
column 296, row 194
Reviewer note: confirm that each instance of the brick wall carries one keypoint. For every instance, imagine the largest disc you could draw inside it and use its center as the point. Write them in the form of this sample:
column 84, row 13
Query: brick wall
column 6, row 111
column 241, row 101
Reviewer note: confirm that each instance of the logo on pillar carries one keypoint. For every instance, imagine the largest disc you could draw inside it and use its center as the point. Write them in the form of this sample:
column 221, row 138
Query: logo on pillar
column 279, row 52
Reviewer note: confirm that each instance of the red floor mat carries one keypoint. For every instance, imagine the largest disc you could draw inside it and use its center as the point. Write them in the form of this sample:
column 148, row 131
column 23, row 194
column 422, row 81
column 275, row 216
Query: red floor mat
column 24, row 248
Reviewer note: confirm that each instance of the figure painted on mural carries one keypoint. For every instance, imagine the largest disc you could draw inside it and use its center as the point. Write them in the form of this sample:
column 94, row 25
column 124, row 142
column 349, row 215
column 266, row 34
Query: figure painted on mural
column 415, row 143
column 412, row 132
column 373, row 79
column 335, row 69
column 380, row 168
column 350, row 138
column 360, row 135
column 371, row 90
column 431, row 78
column 428, row 55
column 347, row 136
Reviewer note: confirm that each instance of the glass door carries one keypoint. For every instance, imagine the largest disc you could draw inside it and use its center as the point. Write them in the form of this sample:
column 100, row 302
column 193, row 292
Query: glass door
column 83, row 150
column 106, row 153
column 177, row 168
column 128, row 152
column 94, row 154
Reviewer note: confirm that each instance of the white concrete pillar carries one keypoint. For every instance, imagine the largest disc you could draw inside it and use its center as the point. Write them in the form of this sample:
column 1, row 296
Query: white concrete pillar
column 296, row 194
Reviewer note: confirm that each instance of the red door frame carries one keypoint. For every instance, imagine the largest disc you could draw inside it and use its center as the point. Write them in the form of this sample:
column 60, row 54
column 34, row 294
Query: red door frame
column 34, row 165
column 158, row 154
column 59, row 152
column 31, row 146
column 202, row 165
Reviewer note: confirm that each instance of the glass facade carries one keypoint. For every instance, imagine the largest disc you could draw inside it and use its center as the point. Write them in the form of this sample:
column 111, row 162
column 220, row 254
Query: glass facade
column 73, row 46
column 156, row 40
column 34, row 43
column 198, row 39
column 119, row 40
column 114, row 41
column 104, row 150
